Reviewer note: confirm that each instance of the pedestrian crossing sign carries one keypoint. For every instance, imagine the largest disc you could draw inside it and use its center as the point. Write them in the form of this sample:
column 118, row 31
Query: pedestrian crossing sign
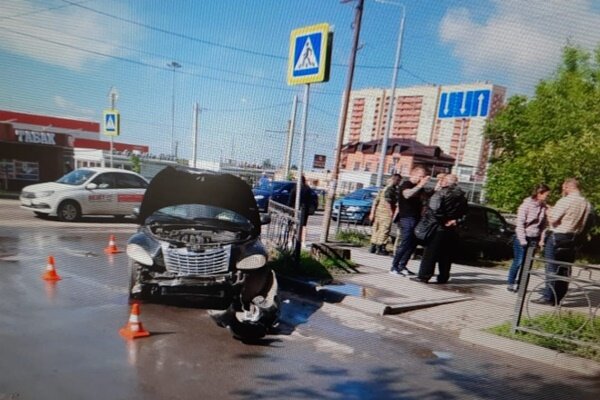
column 112, row 122
column 310, row 53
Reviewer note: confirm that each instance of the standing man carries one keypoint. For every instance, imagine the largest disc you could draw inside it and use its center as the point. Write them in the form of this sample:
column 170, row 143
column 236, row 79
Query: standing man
column 446, row 207
column 382, row 213
column 566, row 221
column 409, row 212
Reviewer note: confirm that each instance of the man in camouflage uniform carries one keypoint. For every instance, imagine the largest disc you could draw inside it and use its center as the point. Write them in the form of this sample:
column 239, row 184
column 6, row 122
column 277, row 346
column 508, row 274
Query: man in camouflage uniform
column 382, row 213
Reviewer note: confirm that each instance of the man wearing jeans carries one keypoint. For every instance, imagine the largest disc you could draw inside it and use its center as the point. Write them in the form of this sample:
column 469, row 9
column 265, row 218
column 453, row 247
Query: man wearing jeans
column 409, row 212
column 566, row 220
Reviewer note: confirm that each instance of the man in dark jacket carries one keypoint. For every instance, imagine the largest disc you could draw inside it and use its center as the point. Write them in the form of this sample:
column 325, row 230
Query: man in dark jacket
column 445, row 208
column 409, row 211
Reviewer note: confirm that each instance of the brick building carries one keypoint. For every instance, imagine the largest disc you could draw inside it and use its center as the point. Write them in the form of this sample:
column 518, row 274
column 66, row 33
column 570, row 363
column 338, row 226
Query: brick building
column 450, row 117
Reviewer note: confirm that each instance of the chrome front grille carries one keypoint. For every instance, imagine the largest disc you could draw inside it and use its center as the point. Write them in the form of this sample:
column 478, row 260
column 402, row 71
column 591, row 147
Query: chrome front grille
column 182, row 261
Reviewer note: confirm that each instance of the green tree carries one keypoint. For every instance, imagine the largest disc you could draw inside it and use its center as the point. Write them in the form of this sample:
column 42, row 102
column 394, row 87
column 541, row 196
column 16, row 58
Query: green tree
column 553, row 135
column 136, row 163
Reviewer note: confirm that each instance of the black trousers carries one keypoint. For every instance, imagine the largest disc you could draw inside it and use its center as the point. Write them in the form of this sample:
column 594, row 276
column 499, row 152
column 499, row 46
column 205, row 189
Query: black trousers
column 441, row 251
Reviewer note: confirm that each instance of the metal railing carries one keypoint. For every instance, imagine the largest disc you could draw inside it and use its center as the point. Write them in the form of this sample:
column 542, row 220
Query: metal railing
column 281, row 234
column 582, row 298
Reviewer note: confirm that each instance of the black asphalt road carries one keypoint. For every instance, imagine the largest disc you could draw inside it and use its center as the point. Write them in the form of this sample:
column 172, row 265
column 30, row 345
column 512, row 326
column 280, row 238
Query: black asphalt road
column 61, row 341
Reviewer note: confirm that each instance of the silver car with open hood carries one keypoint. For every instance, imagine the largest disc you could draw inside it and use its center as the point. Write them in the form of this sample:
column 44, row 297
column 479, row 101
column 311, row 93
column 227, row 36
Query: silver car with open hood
column 199, row 239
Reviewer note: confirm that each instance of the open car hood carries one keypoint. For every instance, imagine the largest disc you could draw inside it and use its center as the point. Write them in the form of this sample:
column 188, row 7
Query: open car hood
column 172, row 187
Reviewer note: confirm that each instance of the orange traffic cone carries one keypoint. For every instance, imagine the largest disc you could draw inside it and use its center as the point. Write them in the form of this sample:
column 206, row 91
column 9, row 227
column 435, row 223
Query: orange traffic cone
column 50, row 274
column 112, row 247
column 134, row 328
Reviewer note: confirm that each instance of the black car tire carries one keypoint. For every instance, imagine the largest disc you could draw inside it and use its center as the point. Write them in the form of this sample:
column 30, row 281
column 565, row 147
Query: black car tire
column 68, row 211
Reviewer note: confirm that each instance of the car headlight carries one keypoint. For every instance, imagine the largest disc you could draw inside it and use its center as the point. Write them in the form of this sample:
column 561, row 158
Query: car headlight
column 252, row 262
column 44, row 194
column 137, row 253
column 259, row 197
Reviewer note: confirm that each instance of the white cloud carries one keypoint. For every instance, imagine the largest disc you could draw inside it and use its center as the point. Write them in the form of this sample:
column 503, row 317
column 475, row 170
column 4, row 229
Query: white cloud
column 72, row 108
column 520, row 40
column 23, row 24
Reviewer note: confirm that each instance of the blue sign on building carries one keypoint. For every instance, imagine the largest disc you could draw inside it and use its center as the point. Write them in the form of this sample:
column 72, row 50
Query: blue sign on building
column 470, row 104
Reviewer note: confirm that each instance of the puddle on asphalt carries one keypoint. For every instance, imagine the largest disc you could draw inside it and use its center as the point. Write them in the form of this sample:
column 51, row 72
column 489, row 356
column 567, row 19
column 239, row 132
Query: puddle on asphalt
column 8, row 247
column 458, row 289
column 351, row 289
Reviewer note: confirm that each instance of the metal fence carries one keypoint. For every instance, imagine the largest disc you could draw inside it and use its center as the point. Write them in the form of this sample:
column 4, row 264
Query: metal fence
column 581, row 299
column 281, row 234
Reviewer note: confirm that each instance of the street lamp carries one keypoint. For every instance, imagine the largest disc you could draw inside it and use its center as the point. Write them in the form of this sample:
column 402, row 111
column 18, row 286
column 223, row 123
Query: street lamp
column 173, row 65
column 386, row 134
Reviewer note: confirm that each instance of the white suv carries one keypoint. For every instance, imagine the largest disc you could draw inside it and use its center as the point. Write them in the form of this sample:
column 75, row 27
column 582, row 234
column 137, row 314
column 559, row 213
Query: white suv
column 86, row 191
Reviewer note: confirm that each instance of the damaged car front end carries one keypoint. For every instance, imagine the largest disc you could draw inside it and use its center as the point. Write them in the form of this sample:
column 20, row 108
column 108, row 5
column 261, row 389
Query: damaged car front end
column 199, row 239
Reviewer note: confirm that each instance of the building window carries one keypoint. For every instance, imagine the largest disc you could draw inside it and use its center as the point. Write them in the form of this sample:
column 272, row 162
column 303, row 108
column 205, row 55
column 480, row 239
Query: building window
column 357, row 166
column 368, row 167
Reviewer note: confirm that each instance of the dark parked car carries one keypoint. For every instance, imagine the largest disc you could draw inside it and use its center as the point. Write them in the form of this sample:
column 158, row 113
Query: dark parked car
column 483, row 233
column 357, row 205
column 199, row 238
column 279, row 191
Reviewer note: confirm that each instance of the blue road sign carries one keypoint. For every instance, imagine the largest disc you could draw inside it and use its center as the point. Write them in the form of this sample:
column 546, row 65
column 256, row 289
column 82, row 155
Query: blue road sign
column 308, row 54
column 112, row 122
column 469, row 104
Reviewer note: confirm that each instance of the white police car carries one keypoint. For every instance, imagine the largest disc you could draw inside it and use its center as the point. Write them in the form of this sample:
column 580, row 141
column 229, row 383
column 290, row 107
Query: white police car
column 86, row 191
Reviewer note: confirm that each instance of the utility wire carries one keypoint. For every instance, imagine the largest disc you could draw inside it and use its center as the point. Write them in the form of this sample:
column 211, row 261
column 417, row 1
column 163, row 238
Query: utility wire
column 220, row 45
column 41, row 10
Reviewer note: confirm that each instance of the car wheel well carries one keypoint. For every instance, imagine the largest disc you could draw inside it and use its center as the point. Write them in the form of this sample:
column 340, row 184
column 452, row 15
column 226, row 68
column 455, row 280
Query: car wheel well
column 62, row 210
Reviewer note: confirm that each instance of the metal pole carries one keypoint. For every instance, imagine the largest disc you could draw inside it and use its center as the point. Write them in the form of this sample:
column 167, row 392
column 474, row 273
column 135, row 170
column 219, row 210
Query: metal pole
column 290, row 139
column 386, row 135
column 195, row 139
column 173, row 65
column 523, row 283
column 342, row 127
column 113, row 100
column 460, row 138
column 302, row 146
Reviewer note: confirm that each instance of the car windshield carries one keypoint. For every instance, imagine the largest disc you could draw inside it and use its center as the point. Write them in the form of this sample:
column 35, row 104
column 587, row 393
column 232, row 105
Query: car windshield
column 76, row 177
column 203, row 213
column 361, row 194
column 272, row 186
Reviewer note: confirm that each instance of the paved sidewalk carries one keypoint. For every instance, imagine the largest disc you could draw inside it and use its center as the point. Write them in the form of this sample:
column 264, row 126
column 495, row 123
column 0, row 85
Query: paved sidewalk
column 475, row 298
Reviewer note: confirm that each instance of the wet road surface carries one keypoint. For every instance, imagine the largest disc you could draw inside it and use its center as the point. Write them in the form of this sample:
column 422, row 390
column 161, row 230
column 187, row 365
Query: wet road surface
column 60, row 340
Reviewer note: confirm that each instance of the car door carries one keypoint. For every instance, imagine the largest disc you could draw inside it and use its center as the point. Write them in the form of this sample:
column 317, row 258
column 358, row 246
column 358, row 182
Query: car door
column 102, row 199
column 130, row 192
column 498, row 234
column 473, row 232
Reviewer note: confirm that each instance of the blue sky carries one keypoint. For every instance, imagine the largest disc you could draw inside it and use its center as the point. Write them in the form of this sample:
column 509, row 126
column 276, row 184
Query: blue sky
column 61, row 57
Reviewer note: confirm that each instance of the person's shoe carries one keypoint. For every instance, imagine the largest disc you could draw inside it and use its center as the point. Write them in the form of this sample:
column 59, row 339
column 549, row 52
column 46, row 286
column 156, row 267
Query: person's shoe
column 512, row 288
column 373, row 249
column 403, row 272
column 382, row 251
column 408, row 271
column 394, row 272
column 543, row 301
column 419, row 279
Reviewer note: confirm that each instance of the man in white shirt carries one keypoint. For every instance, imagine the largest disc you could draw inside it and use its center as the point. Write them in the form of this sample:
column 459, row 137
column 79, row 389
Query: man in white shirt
column 566, row 220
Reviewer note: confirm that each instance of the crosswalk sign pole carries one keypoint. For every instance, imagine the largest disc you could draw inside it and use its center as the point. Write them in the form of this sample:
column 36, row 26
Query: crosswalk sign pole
column 301, row 161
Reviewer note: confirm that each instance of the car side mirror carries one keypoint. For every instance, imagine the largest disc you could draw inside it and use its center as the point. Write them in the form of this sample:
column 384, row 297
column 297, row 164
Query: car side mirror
column 91, row 186
column 135, row 212
column 265, row 219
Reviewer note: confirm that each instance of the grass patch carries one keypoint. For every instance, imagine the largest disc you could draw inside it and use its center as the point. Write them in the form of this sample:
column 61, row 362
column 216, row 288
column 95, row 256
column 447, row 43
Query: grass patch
column 568, row 323
column 322, row 271
column 354, row 237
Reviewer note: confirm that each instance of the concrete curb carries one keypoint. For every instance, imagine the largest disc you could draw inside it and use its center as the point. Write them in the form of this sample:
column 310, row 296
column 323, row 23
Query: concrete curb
column 367, row 306
column 531, row 352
